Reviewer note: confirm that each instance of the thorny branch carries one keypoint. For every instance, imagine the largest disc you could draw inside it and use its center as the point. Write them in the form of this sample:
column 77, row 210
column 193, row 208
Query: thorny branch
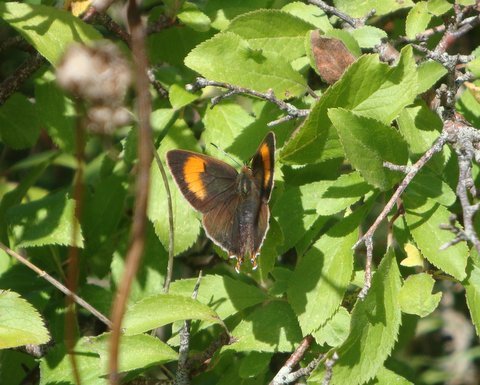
column 292, row 111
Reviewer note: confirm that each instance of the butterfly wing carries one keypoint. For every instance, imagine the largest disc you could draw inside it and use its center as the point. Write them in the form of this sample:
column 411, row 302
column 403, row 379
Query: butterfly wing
column 263, row 164
column 205, row 182
column 222, row 225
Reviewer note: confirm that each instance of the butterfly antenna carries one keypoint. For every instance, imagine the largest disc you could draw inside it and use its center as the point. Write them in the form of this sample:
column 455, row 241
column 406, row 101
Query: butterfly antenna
column 224, row 153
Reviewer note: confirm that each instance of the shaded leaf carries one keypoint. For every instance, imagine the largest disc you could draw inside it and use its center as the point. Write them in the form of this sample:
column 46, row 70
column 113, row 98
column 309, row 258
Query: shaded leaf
column 46, row 221
column 19, row 125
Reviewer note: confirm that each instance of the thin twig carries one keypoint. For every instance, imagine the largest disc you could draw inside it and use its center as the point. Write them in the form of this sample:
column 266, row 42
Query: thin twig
column 292, row 111
column 12, row 83
column 396, row 167
column 137, row 243
column 353, row 22
column 285, row 375
column 414, row 169
column 368, row 269
column 329, row 364
column 171, row 238
column 43, row 274
column 183, row 372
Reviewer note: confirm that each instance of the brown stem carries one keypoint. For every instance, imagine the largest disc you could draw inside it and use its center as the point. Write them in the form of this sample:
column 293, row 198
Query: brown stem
column 137, row 243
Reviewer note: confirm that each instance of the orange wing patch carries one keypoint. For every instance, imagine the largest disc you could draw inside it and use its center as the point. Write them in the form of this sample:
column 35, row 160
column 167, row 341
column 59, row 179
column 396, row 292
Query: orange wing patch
column 265, row 153
column 192, row 170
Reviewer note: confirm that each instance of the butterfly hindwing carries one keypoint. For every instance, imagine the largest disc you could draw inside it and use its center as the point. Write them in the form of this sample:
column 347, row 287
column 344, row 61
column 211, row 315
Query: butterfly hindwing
column 263, row 163
column 204, row 181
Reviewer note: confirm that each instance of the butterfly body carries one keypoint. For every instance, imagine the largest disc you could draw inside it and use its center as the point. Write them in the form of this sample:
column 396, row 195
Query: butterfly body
column 234, row 204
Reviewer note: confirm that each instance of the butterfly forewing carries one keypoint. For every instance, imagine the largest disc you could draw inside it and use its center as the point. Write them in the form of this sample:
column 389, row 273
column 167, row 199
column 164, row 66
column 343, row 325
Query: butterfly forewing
column 204, row 181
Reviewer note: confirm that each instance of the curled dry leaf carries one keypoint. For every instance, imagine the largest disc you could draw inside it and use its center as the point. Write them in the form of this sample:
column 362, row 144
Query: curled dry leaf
column 330, row 56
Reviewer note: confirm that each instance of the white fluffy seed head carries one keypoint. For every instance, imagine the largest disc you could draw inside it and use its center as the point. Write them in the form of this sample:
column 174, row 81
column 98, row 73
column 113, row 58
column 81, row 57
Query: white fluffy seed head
column 98, row 74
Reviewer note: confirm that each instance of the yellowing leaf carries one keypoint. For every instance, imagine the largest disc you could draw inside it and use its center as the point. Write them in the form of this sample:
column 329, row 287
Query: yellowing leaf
column 414, row 257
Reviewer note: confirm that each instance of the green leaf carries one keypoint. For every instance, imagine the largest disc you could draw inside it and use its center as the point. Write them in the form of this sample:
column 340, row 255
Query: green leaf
column 472, row 291
column 56, row 366
column 361, row 8
column 341, row 193
column 416, row 295
column 420, row 127
column 186, row 224
column 50, row 30
column 271, row 30
column 368, row 36
column 139, row 351
column 428, row 184
column 20, row 323
column 417, row 19
column 19, row 124
column 320, row 279
column 102, row 213
column 438, row 7
column 228, row 58
column 47, row 221
column 367, row 144
column 310, row 13
column 374, row 328
column 280, row 331
column 15, row 196
column 221, row 12
column 429, row 72
column 295, row 212
column 139, row 317
column 151, row 273
column 253, row 364
column 56, row 112
column 335, row 331
column 179, row 97
column 387, row 377
column 424, row 218
column 223, row 124
column 222, row 293
column 192, row 17
column 469, row 107
column 369, row 88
